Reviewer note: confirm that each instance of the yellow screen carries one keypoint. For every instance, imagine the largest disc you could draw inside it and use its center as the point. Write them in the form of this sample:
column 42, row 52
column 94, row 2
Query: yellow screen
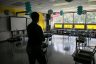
column 91, row 26
column 68, row 26
column 79, row 26
column 58, row 25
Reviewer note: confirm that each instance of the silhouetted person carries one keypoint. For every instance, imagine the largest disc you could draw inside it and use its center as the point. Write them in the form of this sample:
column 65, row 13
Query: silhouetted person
column 35, row 39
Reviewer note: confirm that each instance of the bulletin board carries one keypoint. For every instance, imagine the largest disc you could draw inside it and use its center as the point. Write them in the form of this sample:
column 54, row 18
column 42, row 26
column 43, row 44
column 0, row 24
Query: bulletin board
column 18, row 23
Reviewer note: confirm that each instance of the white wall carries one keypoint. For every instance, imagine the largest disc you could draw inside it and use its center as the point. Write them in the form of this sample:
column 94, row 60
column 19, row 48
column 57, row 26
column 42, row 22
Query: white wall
column 4, row 31
column 4, row 35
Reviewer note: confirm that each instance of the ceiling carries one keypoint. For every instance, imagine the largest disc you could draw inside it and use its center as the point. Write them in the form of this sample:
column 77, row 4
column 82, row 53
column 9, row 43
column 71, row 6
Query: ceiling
column 55, row 5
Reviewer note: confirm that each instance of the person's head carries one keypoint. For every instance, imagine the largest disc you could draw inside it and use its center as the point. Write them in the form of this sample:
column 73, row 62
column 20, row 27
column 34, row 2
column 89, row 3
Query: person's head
column 35, row 17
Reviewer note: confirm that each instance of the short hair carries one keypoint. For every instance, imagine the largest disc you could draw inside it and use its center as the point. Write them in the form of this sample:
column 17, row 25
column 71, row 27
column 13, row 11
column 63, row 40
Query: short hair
column 34, row 16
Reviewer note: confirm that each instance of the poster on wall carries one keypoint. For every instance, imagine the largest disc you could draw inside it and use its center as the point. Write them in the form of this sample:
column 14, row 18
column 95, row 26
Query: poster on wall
column 18, row 23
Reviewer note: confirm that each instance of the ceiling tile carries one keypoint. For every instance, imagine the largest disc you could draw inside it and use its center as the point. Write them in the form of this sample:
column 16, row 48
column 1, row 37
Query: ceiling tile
column 18, row 3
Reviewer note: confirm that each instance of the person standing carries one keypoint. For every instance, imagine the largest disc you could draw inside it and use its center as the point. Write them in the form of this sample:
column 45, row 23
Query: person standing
column 35, row 39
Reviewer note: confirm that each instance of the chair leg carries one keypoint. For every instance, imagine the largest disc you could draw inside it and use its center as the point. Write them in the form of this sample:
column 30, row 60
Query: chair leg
column 76, row 62
column 93, row 60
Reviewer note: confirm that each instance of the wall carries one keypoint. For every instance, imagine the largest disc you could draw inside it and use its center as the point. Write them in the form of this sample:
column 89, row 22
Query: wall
column 11, row 10
column 42, row 21
column 5, row 34
column 4, row 30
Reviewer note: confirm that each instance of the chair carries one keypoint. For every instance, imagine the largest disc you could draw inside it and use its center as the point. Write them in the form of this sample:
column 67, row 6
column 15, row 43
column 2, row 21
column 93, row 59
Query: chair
column 84, row 56
column 80, row 41
column 44, row 48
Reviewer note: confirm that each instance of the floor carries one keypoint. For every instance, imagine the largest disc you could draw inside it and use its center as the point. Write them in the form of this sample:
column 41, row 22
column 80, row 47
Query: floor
column 60, row 51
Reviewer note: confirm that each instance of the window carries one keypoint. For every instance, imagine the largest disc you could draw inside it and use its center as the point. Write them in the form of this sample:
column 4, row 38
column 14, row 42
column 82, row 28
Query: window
column 79, row 18
column 91, row 17
column 68, row 18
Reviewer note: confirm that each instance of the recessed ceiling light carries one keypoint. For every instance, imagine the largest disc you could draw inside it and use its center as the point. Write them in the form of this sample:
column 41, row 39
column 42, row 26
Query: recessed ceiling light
column 52, row 0
column 92, row 5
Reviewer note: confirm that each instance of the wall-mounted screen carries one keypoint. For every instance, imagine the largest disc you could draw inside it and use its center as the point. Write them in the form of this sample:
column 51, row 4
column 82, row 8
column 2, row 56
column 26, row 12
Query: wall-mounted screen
column 91, row 26
column 79, row 26
column 68, row 26
column 18, row 23
column 57, row 25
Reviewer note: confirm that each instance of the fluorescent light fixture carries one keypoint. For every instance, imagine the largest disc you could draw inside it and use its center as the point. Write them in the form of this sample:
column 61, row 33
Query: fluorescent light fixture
column 60, row 4
column 52, row 0
column 93, row 5
column 91, row 0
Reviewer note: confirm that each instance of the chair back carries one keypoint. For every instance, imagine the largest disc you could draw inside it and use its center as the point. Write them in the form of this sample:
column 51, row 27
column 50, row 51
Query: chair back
column 94, row 50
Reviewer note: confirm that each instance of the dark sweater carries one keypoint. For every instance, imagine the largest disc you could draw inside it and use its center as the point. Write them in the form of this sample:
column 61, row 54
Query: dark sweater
column 35, row 35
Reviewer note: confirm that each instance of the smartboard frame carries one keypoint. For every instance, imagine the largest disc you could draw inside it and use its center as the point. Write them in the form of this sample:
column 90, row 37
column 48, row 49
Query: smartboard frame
column 15, row 28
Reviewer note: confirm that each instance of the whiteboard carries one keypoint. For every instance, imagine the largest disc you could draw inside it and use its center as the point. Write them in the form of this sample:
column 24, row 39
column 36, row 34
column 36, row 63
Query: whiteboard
column 29, row 20
column 18, row 23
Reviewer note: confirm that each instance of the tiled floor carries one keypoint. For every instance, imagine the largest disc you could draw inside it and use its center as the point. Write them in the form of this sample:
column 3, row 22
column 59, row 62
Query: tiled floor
column 59, row 51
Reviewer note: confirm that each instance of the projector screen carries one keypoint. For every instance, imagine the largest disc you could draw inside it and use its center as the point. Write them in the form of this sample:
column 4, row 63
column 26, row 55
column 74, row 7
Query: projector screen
column 18, row 23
